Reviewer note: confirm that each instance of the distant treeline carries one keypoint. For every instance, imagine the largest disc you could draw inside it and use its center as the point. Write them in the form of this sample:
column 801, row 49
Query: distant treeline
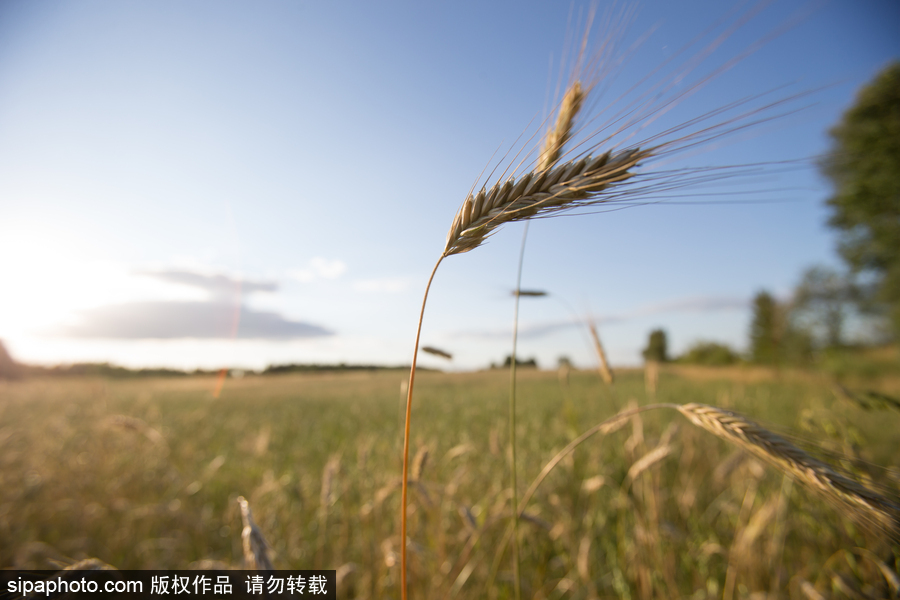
column 11, row 369
column 315, row 368
column 107, row 370
column 104, row 370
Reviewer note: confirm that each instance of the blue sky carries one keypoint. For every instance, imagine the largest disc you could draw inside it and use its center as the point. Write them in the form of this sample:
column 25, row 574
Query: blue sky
column 211, row 183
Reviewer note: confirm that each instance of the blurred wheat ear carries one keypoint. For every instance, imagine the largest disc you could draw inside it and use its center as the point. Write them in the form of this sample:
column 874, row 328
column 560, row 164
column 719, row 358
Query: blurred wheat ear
column 256, row 557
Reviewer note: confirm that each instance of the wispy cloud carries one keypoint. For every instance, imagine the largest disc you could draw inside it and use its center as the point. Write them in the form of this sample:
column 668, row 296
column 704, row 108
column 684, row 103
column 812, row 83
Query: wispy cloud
column 215, row 285
column 386, row 285
column 693, row 304
column 319, row 268
column 679, row 305
column 220, row 315
column 201, row 320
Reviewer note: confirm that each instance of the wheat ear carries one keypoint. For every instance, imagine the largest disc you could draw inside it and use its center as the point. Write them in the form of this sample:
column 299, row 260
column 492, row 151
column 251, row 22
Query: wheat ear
column 863, row 502
column 255, row 546
column 603, row 368
column 561, row 132
column 573, row 184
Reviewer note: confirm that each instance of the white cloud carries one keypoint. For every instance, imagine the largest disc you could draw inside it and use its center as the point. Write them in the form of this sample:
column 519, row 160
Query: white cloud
column 319, row 268
column 386, row 285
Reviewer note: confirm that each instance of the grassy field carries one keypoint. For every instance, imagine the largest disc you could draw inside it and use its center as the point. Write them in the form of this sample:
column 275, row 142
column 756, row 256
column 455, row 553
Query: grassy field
column 145, row 474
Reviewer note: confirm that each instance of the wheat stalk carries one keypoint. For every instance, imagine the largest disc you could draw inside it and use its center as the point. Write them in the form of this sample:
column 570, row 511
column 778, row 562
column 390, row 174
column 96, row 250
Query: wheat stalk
column 601, row 172
column 556, row 138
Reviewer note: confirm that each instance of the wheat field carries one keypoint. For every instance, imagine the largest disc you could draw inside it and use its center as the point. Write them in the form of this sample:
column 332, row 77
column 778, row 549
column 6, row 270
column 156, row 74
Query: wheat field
column 146, row 474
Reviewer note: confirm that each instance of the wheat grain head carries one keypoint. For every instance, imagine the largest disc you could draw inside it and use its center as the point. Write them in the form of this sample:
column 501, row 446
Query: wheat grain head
column 561, row 132
column 570, row 185
column 863, row 503
column 255, row 547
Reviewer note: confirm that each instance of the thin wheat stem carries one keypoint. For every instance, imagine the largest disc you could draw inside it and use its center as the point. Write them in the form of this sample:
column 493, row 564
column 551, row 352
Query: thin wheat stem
column 512, row 420
column 409, row 395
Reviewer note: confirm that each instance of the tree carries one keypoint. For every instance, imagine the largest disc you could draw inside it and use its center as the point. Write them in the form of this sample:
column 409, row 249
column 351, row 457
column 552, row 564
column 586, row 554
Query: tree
column 709, row 353
column 821, row 303
column 657, row 347
column 864, row 168
column 530, row 363
column 764, row 330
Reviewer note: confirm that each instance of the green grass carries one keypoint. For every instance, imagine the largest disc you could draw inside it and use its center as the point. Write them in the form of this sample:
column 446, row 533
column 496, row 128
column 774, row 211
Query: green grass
column 77, row 483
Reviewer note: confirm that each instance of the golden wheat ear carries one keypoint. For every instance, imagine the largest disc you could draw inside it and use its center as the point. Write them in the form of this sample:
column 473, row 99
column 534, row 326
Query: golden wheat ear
column 561, row 132
column 571, row 185
column 864, row 504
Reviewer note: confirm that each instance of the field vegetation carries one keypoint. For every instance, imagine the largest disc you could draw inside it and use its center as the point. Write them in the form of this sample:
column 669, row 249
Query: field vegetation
column 145, row 474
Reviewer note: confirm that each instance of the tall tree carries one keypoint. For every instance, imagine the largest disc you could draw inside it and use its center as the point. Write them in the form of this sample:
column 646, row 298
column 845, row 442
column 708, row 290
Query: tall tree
column 864, row 168
column 765, row 330
column 821, row 302
column 657, row 349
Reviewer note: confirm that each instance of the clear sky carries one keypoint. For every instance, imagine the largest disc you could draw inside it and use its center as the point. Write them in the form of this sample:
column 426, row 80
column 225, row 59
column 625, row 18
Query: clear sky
column 199, row 184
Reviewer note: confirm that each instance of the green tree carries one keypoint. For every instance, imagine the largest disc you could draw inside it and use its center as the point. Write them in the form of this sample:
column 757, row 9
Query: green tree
column 864, row 168
column 530, row 363
column 657, row 347
column 709, row 353
column 821, row 303
column 765, row 330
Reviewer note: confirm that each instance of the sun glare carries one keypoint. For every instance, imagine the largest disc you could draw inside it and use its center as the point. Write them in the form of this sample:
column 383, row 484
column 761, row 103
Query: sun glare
column 58, row 275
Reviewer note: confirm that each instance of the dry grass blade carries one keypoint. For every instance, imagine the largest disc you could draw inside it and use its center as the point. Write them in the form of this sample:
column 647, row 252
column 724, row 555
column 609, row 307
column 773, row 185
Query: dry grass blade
column 329, row 474
column 648, row 460
column 90, row 564
column 810, row 591
column 890, row 576
column 605, row 371
column 419, row 463
column 255, row 546
column 864, row 503
column 570, row 185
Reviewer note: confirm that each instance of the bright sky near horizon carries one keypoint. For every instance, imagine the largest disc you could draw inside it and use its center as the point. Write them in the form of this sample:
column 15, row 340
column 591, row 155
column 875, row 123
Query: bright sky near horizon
column 200, row 184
